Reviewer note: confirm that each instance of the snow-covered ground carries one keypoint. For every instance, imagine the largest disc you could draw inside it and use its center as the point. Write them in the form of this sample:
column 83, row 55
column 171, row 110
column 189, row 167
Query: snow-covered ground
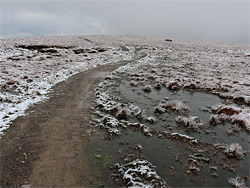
column 29, row 69
column 31, row 66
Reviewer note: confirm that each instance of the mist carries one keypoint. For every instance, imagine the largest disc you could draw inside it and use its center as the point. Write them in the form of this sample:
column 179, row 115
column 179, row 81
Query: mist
column 225, row 21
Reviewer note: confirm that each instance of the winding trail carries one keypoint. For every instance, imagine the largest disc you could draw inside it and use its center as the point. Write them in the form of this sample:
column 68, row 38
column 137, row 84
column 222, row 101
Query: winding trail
column 43, row 148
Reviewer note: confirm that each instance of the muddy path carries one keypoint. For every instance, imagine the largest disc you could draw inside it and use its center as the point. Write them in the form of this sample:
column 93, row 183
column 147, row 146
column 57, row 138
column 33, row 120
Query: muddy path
column 43, row 148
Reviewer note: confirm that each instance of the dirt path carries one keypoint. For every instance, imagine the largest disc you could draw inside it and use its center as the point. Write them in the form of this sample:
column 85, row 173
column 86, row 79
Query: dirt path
column 43, row 148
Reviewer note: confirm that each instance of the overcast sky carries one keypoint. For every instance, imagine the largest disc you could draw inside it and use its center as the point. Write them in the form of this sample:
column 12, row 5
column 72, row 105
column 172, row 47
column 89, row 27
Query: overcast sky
column 216, row 20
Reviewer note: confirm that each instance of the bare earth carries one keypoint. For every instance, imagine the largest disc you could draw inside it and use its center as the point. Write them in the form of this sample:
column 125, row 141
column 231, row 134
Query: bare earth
column 43, row 148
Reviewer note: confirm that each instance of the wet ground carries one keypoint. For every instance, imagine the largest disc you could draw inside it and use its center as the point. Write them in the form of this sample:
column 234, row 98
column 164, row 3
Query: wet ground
column 142, row 117
column 43, row 148
column 179, row 162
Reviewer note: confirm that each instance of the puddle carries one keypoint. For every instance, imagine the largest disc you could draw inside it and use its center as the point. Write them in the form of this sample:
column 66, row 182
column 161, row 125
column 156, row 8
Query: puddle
column 196, row 165
column 196, row 101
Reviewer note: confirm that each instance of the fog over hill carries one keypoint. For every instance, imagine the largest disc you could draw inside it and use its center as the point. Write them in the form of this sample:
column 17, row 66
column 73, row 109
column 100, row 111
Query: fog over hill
column 226, row 21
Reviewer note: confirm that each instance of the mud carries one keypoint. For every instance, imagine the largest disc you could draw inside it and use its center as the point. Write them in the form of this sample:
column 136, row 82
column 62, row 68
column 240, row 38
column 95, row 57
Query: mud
column 43, row 148
column 179, row 141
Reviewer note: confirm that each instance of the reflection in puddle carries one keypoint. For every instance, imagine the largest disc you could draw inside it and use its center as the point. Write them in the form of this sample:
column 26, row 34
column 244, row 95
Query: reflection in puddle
column 195, row 165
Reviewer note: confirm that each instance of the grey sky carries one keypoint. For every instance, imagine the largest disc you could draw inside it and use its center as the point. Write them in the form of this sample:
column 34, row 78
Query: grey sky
column 208, row 20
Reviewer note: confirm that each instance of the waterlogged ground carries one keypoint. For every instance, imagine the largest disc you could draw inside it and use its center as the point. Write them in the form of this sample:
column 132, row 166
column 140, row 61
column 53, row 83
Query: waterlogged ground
column 178, row 115
column 153, row 132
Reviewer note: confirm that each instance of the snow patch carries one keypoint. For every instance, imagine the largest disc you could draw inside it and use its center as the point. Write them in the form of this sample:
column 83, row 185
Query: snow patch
column 237, row 182
column 140, row 173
